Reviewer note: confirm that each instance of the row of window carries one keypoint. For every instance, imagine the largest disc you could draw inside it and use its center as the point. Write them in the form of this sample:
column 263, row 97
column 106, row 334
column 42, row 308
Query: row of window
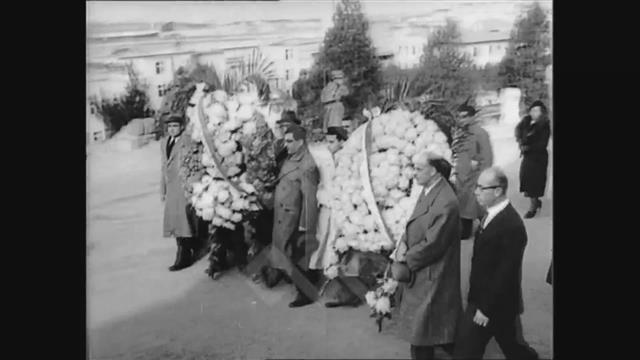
column 492, row 48
column 406, row 49
column 162, row 89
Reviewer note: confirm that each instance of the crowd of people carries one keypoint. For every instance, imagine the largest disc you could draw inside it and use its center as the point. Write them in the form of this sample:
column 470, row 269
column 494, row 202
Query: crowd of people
column 296, row 233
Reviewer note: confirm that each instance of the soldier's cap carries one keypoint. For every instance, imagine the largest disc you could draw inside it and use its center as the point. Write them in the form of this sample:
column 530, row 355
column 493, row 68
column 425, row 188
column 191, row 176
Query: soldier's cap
column 174, row 119
column 289, row 117
column 337, row 74
column 464, row 108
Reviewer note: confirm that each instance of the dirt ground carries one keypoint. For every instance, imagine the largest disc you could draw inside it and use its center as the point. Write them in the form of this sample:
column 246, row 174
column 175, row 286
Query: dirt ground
column 137, row 309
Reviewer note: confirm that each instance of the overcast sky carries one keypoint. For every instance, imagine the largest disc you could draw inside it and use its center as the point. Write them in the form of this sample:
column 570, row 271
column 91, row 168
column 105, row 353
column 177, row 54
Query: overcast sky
column 227, row 11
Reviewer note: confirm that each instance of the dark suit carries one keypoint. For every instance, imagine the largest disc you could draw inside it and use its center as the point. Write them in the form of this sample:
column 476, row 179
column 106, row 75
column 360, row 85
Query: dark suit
column 495, row 289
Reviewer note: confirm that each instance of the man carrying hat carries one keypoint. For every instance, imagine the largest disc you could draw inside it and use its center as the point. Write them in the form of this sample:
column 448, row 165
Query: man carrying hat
column 331, row 98
column 176, row 207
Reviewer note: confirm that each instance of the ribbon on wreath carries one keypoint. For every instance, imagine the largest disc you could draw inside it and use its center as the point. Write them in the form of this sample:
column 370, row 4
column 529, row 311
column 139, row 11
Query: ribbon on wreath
column 211, row 148
column 368, row 195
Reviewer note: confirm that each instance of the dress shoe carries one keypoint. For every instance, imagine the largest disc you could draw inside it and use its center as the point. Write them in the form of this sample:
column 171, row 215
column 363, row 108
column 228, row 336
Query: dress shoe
column 349, row 303
column 183, row 257
column 301, row 300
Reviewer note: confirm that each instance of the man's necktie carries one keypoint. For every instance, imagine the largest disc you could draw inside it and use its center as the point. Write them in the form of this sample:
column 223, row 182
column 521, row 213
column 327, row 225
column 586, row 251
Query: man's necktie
column 482, row 225
column 170, row 146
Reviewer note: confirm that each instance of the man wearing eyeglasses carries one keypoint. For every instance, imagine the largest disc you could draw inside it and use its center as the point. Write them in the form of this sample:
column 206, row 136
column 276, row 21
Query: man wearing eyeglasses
column 495, row 294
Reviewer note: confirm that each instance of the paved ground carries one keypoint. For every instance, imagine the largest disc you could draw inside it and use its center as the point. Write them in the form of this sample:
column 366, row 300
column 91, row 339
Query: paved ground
column 139, row 310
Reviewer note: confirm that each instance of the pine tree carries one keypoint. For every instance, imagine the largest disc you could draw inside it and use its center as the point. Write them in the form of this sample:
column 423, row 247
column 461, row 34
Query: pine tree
column 528, row 56
column 445, row 72
column 348, row 47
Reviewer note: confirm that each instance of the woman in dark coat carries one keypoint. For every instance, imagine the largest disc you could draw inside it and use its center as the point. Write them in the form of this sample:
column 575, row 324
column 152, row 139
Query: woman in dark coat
column 532, row 133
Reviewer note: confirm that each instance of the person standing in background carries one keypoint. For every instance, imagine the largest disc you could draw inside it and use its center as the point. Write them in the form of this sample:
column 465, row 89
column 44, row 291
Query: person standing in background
column 176, row 206
column 331, row 98
column 532, row 134
column 304, row 95
column 475, row 156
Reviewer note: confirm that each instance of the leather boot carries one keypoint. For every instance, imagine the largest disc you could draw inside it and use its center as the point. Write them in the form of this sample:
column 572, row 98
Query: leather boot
column 183, row 256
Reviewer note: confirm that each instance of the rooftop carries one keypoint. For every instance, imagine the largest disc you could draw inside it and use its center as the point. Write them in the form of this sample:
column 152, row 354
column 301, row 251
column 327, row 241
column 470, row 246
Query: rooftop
column 475, row 37
column 297, row 41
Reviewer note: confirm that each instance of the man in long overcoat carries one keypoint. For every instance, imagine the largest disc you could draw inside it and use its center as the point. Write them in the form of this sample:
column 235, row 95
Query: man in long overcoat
column 476, row 155
column 177, row 222
column 427, row 263
column 295, row 217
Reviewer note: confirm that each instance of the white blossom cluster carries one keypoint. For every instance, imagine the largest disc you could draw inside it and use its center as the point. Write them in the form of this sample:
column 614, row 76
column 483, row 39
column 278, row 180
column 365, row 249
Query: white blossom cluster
column 228, row 120
column 397, row 136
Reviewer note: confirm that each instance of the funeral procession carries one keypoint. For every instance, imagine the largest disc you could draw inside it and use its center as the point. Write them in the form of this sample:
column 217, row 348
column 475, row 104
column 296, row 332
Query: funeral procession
column 345, row 179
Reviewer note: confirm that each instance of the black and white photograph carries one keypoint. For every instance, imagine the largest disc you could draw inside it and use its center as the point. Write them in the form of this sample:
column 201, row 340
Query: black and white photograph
column 322, row 179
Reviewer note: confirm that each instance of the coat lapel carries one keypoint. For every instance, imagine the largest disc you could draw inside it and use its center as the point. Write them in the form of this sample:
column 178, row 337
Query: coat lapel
column 163, row 145
column 425, row 202
column 494, row 225
column 174, row 149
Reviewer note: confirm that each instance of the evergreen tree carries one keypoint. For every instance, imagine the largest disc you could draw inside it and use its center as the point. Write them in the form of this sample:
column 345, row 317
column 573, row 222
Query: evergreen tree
column 348, row 47
column 445, row 72
column 528, row 56
column 133, row 104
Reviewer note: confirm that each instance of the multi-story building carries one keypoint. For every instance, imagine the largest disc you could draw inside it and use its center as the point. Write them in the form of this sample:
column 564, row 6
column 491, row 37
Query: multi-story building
column 486, row 41
column 95, row 126
column 289, row 57
column 398, row 44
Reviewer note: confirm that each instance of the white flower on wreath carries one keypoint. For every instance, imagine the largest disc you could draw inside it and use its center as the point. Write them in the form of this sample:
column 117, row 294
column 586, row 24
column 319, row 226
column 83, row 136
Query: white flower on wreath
column 216, row 111
column 383, row 305
column 219, row 96
column 217, row 221
column 207, row 214
column 440, row 138
column 223, row 196
column 371, row 298
column 223, row 212
column 341, row 245
column 206, row 180
column 197, row 187
column 245, row 112
column 390, row 286
column 236, row 217
column 331, row 272
column 247, row 187
column 238, row 204
column 249, row 128
column 206, row 200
